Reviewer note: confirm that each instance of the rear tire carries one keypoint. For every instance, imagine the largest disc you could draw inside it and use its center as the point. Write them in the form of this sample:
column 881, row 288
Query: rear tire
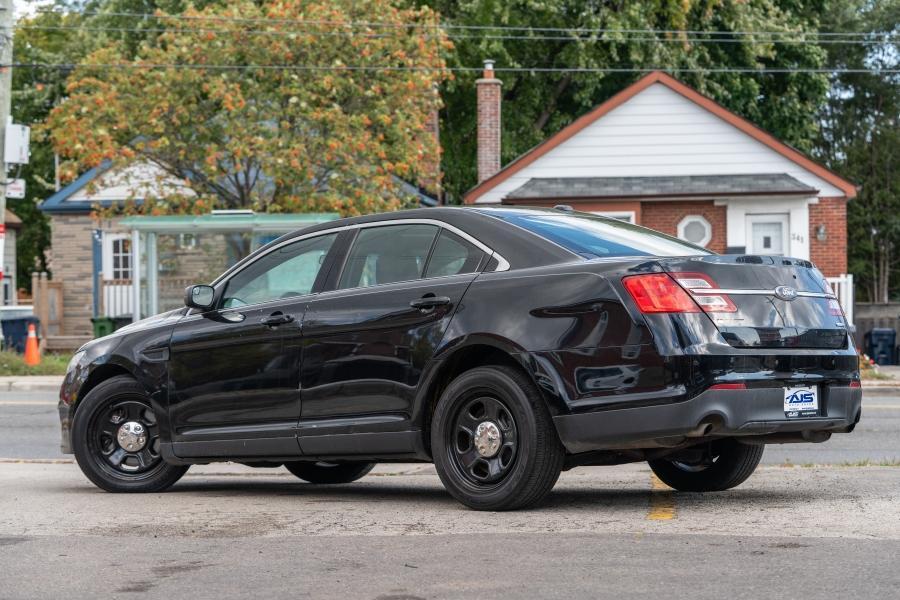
column 728, row 464
column 329, row 473
column 114, row 457
column 516, row 458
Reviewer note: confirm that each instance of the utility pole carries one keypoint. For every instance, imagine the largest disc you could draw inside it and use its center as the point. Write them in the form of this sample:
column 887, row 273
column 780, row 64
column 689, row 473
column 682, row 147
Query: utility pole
column 6, row 58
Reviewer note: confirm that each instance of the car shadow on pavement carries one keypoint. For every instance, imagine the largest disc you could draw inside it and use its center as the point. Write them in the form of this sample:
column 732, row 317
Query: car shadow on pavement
column 425, row 494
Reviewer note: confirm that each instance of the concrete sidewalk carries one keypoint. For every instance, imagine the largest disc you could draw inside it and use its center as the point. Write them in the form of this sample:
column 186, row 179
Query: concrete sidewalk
column 31, row 383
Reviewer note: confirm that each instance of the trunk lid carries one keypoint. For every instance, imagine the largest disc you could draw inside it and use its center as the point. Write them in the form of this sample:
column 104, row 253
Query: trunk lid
column 763, row 301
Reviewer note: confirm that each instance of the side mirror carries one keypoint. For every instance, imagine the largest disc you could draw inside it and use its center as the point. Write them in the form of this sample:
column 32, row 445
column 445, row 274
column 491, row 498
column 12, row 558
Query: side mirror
column 199, row 296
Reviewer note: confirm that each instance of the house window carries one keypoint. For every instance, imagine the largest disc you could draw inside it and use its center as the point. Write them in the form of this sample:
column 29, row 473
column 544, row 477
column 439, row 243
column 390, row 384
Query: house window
column 695, row 229
column 622, row 215
column 187, row 241
column 121, row 258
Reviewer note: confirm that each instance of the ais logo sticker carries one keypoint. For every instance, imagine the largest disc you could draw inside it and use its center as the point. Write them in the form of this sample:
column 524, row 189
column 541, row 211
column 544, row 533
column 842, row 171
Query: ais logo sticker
column 801, row 402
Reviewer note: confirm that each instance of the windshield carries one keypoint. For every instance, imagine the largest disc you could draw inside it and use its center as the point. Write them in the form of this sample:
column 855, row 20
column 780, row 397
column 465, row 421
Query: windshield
column 593, row 236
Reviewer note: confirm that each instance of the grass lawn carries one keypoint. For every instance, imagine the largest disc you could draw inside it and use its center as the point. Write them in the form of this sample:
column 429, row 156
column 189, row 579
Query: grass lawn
column 874, row 375
column 13, row 364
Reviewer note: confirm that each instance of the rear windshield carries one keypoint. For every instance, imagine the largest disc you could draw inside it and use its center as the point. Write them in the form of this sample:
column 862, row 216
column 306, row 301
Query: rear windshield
column 593, row 236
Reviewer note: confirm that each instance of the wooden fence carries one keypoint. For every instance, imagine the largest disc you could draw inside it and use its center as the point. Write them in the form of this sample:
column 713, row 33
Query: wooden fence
column 48, row 304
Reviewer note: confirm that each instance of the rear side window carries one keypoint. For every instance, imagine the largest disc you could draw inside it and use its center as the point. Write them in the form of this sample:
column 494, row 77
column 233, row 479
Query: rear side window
column 387, row 254
column 453, row 255
column 593, row 236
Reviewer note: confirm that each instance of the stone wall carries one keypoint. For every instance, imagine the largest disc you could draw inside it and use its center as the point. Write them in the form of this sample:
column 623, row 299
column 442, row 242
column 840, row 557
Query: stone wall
column 71, row 261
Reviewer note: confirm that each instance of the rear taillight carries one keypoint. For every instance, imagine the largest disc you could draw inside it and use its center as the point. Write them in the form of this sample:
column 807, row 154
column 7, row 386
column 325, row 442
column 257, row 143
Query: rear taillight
column 658, row 293
column 729, row 386
column 855, row 385
column 710, row 301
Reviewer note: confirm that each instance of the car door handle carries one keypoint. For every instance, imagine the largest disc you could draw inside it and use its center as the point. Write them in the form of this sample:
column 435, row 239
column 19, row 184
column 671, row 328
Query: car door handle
column 430, row 302
column 276, row 319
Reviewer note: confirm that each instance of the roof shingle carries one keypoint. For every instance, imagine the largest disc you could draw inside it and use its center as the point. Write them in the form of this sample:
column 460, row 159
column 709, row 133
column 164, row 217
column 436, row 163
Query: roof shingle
column 660, row 187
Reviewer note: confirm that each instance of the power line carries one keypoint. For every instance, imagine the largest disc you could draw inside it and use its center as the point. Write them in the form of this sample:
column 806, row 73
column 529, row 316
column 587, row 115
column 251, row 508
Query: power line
column 454, row 26
column 392, row 68
column 288, row 33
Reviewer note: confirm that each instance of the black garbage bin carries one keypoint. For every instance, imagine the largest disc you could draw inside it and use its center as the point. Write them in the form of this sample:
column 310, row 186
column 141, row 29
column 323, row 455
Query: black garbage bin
column 880, row 345
column 15, row 332
column 120, row 322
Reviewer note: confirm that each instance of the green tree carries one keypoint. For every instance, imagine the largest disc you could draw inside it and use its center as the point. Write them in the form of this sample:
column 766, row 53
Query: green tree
column 860, row 138
column 276, row 139
column 539, row 104
column 35, row 92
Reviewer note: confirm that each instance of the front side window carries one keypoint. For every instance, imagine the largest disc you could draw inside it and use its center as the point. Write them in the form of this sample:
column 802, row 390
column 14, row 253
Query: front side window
column 592, row 236
column 452, row 255
column 288, row 271
column 387, row 254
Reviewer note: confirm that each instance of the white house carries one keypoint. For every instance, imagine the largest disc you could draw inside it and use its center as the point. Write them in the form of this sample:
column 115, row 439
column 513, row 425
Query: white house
column 661, row 154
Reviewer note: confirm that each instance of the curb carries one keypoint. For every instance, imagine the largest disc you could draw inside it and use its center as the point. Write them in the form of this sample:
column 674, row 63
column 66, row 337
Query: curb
column 34, row 383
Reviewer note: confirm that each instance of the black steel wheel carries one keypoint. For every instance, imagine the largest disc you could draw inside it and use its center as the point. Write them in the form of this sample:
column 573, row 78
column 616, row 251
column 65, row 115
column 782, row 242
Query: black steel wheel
column 493, row 441
column 328, row 473
column 714, row 467
column 116, row 439
column 484, row 440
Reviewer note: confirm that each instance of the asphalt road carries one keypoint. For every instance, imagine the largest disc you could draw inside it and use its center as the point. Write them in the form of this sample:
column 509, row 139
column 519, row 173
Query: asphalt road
column 227, row 531
column 29, row 428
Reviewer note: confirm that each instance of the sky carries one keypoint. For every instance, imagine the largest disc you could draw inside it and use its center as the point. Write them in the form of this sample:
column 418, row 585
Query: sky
column 27, row 7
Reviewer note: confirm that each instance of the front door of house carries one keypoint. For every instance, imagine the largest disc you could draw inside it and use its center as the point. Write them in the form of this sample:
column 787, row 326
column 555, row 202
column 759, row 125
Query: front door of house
column 116, row 272
column 767, row 234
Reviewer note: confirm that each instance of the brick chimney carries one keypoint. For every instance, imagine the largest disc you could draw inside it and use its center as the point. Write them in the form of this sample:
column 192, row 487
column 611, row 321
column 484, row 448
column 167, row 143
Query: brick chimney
column 488, row 122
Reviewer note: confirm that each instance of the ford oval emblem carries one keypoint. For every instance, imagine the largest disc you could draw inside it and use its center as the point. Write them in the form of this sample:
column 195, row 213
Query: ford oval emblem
column 785, row 292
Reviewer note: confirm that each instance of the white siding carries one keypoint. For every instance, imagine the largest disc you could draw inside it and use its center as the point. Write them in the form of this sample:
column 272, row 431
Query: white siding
column 135, row 181
column 658, row 132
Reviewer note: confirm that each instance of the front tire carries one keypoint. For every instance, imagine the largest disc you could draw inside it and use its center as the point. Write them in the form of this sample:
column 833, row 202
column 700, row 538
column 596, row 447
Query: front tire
column 493, row 441
column 329, row 473
column 115, row 437
column 723, row 465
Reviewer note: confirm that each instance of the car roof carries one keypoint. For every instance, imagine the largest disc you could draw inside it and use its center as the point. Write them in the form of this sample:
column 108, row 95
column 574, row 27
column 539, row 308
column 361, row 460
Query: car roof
column 519, row 247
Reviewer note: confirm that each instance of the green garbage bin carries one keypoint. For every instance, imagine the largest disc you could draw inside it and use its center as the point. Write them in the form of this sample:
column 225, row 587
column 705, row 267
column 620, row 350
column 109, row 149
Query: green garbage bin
column 103, row 326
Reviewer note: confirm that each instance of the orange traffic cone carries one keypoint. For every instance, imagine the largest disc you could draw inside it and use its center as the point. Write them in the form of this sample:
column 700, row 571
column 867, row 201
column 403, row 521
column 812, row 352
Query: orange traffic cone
column 32, row 354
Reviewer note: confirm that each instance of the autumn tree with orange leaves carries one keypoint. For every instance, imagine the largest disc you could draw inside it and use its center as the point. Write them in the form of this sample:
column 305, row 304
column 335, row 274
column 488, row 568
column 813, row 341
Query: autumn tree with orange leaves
column 280, row 106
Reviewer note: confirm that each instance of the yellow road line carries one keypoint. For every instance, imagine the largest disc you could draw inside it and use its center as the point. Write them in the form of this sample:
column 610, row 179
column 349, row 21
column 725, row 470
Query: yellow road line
column 662, row 501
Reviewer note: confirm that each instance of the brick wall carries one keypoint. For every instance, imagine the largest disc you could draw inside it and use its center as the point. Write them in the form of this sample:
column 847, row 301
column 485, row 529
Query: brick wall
column 830, row 254
column 664, row 217
column 489, row 88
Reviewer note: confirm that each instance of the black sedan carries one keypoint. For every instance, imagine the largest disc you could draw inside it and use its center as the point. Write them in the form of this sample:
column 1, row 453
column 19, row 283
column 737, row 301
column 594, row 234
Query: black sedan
column 502, row 344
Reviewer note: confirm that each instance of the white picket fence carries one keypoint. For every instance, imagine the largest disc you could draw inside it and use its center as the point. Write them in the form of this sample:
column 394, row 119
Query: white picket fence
column 843, row 289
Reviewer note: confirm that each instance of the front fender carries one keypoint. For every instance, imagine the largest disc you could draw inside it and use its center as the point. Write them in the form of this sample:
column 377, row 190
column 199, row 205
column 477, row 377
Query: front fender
column 140, row 350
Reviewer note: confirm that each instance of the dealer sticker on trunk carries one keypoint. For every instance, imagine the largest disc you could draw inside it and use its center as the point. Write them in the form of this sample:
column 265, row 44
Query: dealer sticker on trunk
column 801, row 401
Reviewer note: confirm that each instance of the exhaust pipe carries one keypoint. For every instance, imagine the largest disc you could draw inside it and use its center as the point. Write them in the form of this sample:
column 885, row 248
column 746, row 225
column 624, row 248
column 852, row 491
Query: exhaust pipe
column 702, row 430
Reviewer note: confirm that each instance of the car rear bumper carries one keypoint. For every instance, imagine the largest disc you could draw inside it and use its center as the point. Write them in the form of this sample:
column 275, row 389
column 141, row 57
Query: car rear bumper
column 739, row 412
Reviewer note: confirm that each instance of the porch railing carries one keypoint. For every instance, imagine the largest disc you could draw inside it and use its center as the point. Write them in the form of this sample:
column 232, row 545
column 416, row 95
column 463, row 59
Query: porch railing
column 117, row 295
column 843, row 289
